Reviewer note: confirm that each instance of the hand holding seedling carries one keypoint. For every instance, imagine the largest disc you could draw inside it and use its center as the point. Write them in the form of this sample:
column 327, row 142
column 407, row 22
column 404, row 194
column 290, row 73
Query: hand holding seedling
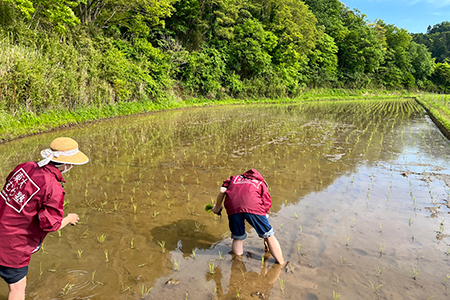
column 211, row 208
column 217, row 210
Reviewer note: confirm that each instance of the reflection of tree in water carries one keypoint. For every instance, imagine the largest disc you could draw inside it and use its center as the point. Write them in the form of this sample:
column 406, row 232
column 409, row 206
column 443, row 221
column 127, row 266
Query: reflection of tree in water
column 245, row 285
column 184, row 236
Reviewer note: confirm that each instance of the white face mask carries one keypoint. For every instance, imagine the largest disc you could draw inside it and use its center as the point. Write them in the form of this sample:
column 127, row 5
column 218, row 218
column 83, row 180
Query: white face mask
column 66, row 169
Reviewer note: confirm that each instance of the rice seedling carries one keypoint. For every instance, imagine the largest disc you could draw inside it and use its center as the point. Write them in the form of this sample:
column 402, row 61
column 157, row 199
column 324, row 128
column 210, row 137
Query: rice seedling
column 347, row 238
column 106, row 256
column 415, row 273
column 65, row 290
column 220, row 255
column 176, row 264
column 145, row 291
column 336, row 295
column 211, row 267
column 162, row 244
column 193, row 253
column 79, row 252
column 379, row 271
column 376, row 288
column 337, row 279
column 238, row 293
column 243, row 274
column 125, row 288
column 418, row 254
column 342, row 260
column 198, row 226
column 101, row 238
column 381, row 248
column 282, row 282
column 155, row 214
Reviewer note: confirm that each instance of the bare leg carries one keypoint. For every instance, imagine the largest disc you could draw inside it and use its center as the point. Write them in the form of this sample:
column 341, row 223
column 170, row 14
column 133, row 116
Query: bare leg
column 237, row 247
column 275, row 249
column 17, row 290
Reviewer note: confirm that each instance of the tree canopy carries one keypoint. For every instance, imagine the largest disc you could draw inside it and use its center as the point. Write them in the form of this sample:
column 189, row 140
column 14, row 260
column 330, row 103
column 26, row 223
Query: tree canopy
column 140, row 49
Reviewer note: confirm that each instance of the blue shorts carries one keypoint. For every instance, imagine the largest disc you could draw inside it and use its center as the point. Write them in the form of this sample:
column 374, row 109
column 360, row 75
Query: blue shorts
column 260, row 223
column 13, row 275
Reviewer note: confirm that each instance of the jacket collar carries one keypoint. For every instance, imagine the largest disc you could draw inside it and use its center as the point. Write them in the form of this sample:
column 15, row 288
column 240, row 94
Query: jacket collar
column 55, row 171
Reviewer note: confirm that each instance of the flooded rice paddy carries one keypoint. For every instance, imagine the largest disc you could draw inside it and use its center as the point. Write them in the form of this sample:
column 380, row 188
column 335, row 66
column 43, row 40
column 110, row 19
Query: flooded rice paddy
column 360, row 194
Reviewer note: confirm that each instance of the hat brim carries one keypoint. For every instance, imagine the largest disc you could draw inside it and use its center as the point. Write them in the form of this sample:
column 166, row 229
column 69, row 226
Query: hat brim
column 78, row 159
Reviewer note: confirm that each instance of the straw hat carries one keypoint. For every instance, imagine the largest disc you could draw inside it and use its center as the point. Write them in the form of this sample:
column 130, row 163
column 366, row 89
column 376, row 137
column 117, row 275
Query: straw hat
column 63, row 150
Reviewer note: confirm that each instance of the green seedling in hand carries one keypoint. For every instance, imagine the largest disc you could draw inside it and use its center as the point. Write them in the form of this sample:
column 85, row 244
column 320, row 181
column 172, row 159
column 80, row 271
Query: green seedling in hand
column 208, row 209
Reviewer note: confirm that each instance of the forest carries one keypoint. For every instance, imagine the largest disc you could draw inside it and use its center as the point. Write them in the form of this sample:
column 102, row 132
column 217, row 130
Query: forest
column 78, row 53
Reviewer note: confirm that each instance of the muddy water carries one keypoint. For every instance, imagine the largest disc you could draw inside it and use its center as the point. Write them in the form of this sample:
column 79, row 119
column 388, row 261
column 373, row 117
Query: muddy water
column 360, row 205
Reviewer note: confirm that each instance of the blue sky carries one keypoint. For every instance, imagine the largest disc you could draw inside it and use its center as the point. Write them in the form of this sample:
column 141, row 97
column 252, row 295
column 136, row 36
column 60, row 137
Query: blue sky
column 412, row 15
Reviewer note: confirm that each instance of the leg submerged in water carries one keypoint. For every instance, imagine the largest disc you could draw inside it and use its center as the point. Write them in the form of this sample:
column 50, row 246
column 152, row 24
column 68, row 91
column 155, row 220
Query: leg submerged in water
column 237, row 247
column 17, row 290
column 275, row 249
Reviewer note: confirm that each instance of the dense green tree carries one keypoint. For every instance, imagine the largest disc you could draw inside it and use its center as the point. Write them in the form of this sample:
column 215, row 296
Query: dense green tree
column 56, row 12
column 396, row 66
column 437, row 40
column 329, row 14
column 360, row 51
column 249, row 51
column 293, row 24
column 441, row 76
column 323, row 62
column 422, row 65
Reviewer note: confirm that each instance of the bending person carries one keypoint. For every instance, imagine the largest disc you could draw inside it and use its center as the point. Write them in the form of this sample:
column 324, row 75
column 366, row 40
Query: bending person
column 31, row 206
column 247, row 198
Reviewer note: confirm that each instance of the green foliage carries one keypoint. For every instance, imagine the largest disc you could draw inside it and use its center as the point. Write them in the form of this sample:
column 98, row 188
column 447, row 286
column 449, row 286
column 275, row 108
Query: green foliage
column 437, row 40
column 293, row 25
column 155, row 50
column 360, row 52
column 24, row 6
column 204, row 71
column 249, row 49
column 323, row 62
column 395, row 68
column 441, row 76
column 422, row 65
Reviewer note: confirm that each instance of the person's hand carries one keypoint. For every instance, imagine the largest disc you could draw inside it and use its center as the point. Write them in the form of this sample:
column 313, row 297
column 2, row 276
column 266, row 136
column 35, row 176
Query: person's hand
column 215, row 209
column 73, row 218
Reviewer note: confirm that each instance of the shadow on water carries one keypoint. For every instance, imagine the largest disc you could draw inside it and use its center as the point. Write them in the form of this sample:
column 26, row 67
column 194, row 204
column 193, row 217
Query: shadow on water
column 360, row 203
column 183, row 236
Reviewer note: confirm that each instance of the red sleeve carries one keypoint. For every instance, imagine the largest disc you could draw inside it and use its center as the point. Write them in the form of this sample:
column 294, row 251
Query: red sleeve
column 226, row 183
column 266, row 198
column 51, row 213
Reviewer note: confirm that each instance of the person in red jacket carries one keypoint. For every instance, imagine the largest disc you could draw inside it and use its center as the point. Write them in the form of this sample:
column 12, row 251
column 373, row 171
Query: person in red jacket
column 247, row 198
column 31, row 206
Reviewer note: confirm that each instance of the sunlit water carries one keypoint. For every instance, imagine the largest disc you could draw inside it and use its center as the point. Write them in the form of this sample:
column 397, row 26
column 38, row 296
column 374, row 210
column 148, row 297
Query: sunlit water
column 359, row 193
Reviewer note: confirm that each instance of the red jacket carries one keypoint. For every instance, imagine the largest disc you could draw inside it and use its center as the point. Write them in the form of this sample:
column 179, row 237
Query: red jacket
column 247, row 193
column 31, row 205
